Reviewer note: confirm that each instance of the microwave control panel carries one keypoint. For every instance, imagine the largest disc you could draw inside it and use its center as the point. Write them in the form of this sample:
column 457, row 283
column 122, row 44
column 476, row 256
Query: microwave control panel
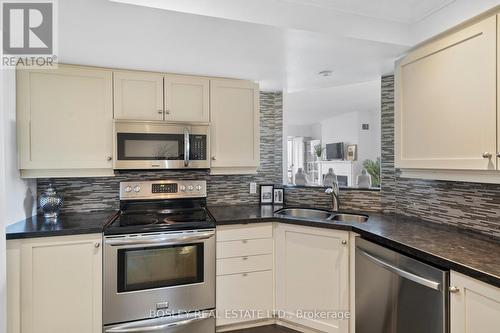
column 198, row 147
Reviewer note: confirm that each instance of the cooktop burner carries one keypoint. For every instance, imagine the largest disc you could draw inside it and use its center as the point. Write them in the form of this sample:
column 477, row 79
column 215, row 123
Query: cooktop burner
column 161, row 210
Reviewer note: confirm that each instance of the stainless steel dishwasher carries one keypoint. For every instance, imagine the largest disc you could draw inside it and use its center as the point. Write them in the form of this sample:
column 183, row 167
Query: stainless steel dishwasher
column 398, row 294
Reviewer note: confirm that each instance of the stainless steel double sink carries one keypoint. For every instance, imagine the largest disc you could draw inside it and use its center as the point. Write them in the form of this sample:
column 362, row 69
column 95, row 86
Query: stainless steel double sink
column 320, row 214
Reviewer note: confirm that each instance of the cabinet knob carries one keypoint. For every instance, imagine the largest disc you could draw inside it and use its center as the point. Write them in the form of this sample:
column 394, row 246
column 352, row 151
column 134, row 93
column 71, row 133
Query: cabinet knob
column 487, row 155
column 454, row 289
column 167, row 111
column 109, row 158
column 96, row 245
column 160, row 111
column 214, row 158
column 344, row 242
column 498, row 154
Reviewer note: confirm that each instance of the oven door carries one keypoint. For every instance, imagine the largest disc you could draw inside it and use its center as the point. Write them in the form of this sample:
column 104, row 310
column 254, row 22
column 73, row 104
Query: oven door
column 152, row 145
column 147, row 275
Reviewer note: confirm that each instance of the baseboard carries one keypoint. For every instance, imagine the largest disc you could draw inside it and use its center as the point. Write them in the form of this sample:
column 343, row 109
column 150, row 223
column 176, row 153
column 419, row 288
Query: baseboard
column 296, row 327
column 247, row 324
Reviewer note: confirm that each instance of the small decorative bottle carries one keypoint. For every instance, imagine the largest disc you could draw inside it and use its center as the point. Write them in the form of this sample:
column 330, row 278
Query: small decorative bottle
column 50, row 203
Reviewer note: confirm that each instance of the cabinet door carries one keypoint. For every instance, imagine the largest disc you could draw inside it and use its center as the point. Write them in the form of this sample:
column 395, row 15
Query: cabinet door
column 138, row 96
column 64, row 118
column 244, row 297
column 61, row 285
column 446, row 102
column 235, row 139
column 312, row 273
column 187, row 98
column 475, row 307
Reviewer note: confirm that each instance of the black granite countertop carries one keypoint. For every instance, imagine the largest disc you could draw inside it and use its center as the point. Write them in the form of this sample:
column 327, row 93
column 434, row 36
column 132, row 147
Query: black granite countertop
column 444, row 246
column 68, row 224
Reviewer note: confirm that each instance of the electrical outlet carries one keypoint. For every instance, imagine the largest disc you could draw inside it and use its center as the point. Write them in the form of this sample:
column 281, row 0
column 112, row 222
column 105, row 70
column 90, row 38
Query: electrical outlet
column 253, row 188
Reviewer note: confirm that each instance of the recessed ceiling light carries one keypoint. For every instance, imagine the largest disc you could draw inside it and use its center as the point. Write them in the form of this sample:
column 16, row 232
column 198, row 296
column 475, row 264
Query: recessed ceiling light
column 325, row 73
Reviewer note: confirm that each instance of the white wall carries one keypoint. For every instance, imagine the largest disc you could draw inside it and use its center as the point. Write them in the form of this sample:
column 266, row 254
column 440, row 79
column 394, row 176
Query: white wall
column 19, row 203
column 346, row 128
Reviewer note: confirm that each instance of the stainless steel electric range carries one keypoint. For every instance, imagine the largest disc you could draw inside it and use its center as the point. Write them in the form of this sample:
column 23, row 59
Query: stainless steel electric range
column 159, row 260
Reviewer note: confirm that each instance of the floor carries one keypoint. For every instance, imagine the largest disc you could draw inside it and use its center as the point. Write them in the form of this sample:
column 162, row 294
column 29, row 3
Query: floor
column 266, row 329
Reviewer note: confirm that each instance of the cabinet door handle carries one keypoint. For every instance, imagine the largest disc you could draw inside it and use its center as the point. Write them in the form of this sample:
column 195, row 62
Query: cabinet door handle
column 109, row 158
column 214, row 158
column 167, row 111
column 487, row 155
column 160, row 111
column 344, row 242
column 96, row 245
column 454, row 289
column 498, row 154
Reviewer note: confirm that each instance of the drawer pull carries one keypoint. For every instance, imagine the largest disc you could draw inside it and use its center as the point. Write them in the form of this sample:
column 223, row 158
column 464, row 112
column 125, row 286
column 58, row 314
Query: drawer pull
column 245, row 258
column 244, row 241
column 244, row 274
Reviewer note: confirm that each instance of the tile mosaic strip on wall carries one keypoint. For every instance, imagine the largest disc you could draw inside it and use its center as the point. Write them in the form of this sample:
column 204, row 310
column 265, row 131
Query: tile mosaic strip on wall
column 388, row 177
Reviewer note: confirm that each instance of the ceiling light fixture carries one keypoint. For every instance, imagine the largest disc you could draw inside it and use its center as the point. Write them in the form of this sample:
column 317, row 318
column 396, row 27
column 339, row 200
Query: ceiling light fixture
column 325, row 73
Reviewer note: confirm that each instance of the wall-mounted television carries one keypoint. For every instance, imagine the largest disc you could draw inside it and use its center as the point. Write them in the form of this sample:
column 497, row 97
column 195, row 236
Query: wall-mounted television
column 335, row 151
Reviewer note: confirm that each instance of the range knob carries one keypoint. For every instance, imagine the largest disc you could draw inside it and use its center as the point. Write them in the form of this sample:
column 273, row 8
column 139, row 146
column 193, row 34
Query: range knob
column 137, row 189
column 183, row 188
column 198, row 187
column 128, row 189
column 190, row 188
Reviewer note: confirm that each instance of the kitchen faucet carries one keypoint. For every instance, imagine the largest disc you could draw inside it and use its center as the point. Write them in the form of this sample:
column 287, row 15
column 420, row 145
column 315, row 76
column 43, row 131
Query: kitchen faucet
column 334, row 192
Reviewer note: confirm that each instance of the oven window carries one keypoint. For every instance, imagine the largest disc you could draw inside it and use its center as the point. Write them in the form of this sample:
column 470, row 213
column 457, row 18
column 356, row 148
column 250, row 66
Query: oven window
column 158, row 267
column 139, row 146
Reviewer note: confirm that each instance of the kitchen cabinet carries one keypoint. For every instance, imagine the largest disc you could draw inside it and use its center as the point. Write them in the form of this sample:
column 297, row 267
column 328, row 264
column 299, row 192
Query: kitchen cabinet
column 54, row 285
column 187, row 98
column 446, row 102
column 312, row 273
column 235, row 135
column 64, row 121
column 138, row 95
column 475, row 305
column 245, row 273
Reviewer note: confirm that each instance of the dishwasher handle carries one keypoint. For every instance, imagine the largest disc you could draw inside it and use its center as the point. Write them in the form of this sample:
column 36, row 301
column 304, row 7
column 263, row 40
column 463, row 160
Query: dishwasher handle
column 396, row 270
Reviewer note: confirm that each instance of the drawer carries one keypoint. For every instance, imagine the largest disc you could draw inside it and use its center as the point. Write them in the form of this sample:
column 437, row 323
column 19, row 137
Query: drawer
column 243, row 248
column 244, row 264
column 244, row 231
column 252, row 292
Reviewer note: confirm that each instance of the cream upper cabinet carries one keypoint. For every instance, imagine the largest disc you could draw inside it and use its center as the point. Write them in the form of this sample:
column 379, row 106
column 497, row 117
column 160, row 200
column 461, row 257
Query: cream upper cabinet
column 475, row 305
column 187, row 98
column 312, row 272
column 138, row 95
column 445, row 102
column 235, row 136
column 54, row 285
column 64, row 121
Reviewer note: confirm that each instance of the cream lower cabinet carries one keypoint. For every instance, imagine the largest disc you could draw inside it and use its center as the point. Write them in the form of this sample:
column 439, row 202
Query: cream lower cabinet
column 312, row 276
column 245, row 273
column 65, row 121
column 475, row 306
column 54, row 285
column 446, row 103
column 235, row 135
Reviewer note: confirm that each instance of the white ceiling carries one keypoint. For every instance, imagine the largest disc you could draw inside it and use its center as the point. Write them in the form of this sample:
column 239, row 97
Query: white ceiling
column 282, row 44
column 311, row 106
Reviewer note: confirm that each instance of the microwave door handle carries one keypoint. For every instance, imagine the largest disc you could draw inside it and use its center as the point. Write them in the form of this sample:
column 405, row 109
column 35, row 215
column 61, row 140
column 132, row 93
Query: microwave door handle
column 186, row 147
column 156, row 328
column 158, row 240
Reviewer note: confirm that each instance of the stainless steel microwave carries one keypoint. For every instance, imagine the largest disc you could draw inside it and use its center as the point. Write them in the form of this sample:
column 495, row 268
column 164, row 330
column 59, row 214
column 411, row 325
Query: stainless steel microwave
column 155, row 145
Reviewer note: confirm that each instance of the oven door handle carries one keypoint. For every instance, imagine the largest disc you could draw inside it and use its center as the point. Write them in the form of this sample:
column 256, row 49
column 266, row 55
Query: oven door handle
column 156, row 240
column 155, row 328
column 186, row 147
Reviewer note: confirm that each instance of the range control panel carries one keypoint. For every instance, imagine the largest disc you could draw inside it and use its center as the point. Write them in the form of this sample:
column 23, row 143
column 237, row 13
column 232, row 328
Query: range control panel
column 163, row 189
